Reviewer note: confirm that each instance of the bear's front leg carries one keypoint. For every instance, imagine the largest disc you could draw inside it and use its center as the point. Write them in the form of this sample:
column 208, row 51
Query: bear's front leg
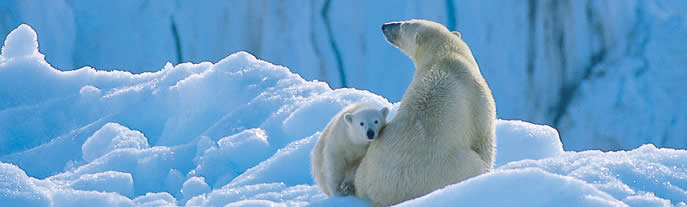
column 334, row 175
column 347, row 186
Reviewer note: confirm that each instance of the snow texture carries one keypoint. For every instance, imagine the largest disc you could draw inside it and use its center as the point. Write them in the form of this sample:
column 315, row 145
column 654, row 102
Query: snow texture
column 110, row 137
column 518, row 140
column 481, row 190
column 238, row 132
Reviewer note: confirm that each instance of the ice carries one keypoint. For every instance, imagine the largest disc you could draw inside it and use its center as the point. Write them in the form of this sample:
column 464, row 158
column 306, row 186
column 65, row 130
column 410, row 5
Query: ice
column 239, row 132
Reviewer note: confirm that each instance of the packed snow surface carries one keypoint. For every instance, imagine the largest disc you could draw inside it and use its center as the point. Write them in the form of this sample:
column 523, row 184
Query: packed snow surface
column 238, row 132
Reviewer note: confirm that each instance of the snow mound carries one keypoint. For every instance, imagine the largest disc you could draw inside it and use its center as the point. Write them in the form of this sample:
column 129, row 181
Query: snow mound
column 239, row 132
column 232, row 155
column 646, row 173
column 646, row 176
column 298, row 195
column 290, row 165
column 17, row 189
column 110, row 137
column 21, row 42
column 155, row 199
column 518, row 140
column 194, row 186
column 108, row 181
column 543, row 189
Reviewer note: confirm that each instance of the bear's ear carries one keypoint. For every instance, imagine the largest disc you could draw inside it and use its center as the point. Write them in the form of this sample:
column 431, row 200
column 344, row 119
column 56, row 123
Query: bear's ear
column 385, row 112
column 456, row 33
column 348, row 117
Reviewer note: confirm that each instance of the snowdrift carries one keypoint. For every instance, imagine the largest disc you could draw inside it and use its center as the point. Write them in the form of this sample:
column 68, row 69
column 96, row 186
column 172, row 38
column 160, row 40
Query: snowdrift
column 238, row 133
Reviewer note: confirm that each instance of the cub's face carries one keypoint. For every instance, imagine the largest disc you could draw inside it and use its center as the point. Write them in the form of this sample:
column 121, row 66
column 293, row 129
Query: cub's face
column 407, row 35
column 366, row 123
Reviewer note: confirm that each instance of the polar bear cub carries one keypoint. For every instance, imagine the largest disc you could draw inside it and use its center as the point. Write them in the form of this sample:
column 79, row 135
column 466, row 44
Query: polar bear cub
column 343, row 144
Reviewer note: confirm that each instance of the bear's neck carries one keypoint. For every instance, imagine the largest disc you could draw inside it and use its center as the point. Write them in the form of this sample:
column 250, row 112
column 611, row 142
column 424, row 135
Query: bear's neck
column 440, row 48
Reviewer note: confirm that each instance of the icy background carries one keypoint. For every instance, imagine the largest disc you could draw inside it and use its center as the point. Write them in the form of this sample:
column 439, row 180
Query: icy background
column 237, row 130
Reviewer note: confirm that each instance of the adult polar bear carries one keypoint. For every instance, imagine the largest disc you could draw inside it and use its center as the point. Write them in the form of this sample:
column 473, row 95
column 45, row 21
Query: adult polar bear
column 443, row 132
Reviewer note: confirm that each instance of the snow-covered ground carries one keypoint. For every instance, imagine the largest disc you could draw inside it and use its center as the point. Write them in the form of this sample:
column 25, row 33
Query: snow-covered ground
column 608, row 75
column 238, row 132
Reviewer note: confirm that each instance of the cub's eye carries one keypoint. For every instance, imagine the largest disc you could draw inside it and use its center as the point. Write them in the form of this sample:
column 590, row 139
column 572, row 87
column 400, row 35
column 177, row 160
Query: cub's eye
column 376, row 122
column 362, row 124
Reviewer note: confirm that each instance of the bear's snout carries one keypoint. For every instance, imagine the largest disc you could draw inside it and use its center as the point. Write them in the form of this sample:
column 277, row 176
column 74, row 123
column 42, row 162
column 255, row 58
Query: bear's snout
column 390, row 30
column 370, row 134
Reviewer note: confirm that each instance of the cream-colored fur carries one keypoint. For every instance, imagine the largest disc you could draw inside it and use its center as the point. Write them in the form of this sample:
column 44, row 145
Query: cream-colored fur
column 443, row 132
column 342, row 144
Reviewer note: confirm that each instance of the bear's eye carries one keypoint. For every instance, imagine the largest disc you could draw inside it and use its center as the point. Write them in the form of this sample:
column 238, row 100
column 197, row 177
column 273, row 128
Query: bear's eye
column 376, row 122
column 362, row 124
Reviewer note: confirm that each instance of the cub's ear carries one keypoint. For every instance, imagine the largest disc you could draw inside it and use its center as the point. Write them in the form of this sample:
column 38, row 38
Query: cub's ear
column 456, row 33
column 384, row 111
column 348, row 117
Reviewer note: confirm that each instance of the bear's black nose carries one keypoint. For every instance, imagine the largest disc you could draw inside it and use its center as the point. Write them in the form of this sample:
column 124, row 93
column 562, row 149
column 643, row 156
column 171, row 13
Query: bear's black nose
column 370, row 134
column 389, row 27
column 390, row 30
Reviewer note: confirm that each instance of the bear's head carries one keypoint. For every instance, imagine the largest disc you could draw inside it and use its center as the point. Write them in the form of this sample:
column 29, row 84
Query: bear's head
column 366, row 123
column 414, row 36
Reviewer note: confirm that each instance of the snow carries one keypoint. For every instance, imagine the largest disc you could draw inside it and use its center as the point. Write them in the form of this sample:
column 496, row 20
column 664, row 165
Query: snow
column 194, row 186
column 646, row 176
column 518, row 140
column 20, row 43
column 218, row 164
column 108, row 181
column 239, row 132
column 155, row 199
column 290, row 165
column 623, row 174
column 110, row 137
column 481, row 190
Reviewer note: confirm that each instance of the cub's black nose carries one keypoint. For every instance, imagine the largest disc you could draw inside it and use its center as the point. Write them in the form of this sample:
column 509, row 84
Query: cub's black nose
column 370, row 134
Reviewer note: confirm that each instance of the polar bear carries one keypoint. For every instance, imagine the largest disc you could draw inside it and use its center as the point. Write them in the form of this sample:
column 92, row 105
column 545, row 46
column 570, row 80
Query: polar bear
column 342, row 144
column 443, row 132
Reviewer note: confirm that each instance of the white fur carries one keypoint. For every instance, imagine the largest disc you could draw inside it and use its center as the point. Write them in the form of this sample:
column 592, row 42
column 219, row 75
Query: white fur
column 443, row 132
column 342, row 144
